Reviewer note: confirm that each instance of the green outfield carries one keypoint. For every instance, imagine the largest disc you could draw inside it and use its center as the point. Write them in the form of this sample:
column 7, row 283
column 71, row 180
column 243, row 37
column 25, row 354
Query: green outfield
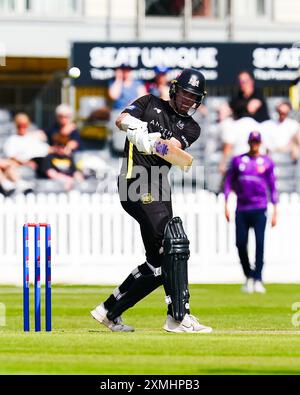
column 253, row 335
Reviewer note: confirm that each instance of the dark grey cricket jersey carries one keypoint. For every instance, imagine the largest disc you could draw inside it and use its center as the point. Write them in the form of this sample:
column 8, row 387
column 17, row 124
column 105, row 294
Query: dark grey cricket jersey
column 161, row 118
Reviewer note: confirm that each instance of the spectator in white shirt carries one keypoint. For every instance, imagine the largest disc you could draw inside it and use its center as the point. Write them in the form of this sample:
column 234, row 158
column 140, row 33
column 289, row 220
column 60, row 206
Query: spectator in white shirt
column 21, row 149
column 280, row 135
column 26, row 144
column 235, row 139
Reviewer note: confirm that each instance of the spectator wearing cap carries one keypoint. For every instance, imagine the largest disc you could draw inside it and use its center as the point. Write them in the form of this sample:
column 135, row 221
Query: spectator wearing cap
column 123, row 91
column 64, row 132
column 251, row 177
column 160, row 86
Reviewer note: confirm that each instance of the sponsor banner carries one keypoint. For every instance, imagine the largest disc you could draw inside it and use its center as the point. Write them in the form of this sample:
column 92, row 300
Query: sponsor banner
column 219, row 62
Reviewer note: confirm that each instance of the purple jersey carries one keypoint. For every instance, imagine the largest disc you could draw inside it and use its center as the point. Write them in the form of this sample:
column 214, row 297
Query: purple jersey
column 253, row 181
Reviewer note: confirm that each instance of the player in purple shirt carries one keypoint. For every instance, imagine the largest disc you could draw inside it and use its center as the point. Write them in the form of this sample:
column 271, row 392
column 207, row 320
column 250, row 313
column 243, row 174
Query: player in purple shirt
column 251, row 177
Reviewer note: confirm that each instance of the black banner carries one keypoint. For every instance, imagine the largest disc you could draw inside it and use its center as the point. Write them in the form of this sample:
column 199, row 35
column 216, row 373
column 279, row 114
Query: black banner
column 220, row 62
column 127, row 384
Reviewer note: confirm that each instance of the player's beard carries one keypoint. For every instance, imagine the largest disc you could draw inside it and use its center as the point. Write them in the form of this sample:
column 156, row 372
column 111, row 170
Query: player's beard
column 184, row 106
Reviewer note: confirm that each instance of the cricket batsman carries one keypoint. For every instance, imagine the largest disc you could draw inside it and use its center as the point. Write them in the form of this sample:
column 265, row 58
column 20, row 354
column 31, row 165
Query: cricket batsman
column 144, row 193
column 251, row 177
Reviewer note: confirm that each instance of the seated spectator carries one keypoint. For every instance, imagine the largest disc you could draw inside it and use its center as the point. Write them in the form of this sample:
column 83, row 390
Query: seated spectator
column 26, row 144
column 22, row 124
column 8, row 177
column 281, row 135
column 23, row 149
column 65, row 131
column 249, row 101
column 61, row 167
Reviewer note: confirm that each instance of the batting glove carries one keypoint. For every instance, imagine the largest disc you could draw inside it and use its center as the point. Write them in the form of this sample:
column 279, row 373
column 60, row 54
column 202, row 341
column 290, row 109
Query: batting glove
column 143, row 141
column 131, row 123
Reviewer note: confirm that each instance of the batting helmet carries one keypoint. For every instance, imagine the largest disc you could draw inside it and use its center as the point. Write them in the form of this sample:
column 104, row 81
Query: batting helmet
column 190, row 80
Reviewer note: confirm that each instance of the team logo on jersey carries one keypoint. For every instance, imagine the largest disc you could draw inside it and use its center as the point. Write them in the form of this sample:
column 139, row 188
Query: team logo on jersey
column 193, row 80
column 146, row 198
column 261, row 169
column 180, row 125
column 132, row 107
column 158, row 110
column 242, row 166
column 245, row 159
column 260, row 161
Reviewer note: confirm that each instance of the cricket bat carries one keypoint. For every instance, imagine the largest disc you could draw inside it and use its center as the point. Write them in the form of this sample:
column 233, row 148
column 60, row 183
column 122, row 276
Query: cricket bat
column 168, row 151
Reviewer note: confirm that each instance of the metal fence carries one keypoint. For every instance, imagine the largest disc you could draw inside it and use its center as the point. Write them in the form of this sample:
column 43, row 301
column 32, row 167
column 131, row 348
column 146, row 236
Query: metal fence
column 95, row 241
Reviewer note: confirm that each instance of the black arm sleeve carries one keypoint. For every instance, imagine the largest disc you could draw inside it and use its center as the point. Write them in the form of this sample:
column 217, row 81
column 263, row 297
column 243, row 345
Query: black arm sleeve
column 137, row 108
column 189, row 136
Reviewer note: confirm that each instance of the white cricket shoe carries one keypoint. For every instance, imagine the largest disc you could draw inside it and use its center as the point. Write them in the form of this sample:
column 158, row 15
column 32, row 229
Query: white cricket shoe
column 189, row 324
column 259, row 287
column 248, row 287
column 99, row 314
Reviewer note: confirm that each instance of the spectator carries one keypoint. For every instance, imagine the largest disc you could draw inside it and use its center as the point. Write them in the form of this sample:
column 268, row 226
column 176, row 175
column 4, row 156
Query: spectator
column 216, row 130
column 251, row 177
column 295, row 146
column 26, row 144
column 235, row 139
column 123, row 91
column 60, row 166
column 249, row 102
column 8, row 177
column 23, row 125
column 22, row 149
column 281, row 134
column 160, row 86
column 64, row 132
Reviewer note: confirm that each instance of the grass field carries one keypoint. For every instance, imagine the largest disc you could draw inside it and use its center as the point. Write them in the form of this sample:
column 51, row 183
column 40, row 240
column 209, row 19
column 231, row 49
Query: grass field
column 253, row 335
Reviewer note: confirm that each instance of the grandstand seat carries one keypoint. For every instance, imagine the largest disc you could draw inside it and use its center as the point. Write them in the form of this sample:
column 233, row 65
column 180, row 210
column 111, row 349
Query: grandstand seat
column 280, row 158
column 5, row 117
column 213, row 181
column 88, row 186
column 48, row 186
column 26, row 173
column 286, row 185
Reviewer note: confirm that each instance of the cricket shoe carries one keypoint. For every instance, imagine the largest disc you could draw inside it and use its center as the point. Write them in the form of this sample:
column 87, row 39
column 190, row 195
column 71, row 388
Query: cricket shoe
column 259, row 287
column 100, row 315
column 248, row 287
column 189, row 324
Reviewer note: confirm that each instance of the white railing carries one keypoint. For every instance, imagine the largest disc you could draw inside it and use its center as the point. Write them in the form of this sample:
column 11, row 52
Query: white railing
column 95, row 241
